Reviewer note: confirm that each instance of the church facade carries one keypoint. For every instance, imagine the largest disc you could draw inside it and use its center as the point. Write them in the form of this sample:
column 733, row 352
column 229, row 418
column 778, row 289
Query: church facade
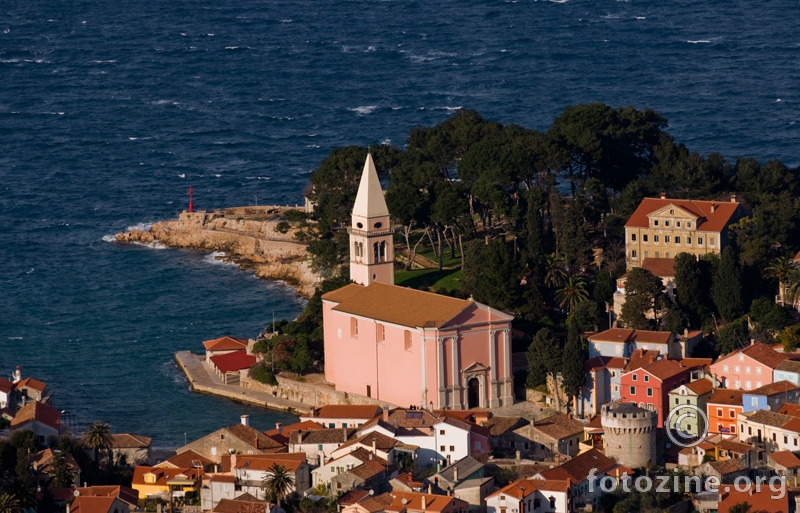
column 406, row 346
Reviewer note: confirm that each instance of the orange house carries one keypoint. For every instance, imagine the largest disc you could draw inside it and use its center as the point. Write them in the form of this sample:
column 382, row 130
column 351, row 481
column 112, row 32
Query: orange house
column 723, row 408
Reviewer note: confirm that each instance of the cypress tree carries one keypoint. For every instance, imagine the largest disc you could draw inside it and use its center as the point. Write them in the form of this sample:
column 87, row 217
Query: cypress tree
column 572, row 370
column 543, row 358
column 726, row 287
column 688, row 282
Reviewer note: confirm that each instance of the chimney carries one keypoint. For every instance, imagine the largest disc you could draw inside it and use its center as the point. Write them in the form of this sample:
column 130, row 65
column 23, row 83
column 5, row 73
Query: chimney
column 279, row 427
column 663, row 195
column 386, row 414
column 733, row 198
column 752, row 489
column 519, row 456
column 374, row 445
column 455, row 475
column 448, row 460
column 311, row 412
column 245, row 420
column 713, row 207
column 255, row 443
column 344, row 434
column 425, row 502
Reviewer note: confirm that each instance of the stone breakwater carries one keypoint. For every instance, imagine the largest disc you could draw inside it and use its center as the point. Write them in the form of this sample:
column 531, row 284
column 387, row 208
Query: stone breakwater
column 248, row 236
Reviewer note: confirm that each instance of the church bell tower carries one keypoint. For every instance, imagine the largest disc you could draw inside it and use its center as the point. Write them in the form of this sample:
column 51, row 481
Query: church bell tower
column 371, row 242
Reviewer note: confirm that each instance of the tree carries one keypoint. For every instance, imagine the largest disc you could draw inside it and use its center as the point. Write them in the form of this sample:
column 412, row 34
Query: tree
column 741, row 507
column 9, row 503
column 572, row 293
column 544, row 358
column 726, row 287
column 278, row 482
column 768, row 316
column 554, row 274
column 575, row 355
column 642, row 289
column 60, row 472
column 98, row 437
column 492, row 274
column 790, row 338
column 784, row 270
column 731, row 337
column 690, row 295
column 587, row 315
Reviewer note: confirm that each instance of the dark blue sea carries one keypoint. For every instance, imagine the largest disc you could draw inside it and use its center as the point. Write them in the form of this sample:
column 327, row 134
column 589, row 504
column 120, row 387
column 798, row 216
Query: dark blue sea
column 109, row 110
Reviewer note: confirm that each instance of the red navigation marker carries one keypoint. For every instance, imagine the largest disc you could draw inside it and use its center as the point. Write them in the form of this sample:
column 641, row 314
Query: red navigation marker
column 190, row 191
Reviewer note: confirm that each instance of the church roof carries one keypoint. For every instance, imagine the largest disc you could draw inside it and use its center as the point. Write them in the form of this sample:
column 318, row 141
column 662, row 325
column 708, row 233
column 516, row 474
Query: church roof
column 369, row 200
column 397, row 305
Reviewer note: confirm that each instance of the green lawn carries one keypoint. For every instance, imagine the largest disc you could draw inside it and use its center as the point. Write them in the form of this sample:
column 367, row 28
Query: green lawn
column 427, row 279
column 428, row 253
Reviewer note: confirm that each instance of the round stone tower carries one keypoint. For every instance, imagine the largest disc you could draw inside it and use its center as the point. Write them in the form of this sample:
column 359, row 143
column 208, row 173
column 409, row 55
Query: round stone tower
column 630, row 434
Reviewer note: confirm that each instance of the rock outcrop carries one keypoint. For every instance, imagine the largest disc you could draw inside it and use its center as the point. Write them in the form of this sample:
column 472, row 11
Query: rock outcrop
column 249, row 236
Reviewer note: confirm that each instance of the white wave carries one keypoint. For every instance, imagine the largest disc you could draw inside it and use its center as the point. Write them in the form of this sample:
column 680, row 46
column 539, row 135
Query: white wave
column 210, row 35
column 363, row 110
column 182, row 175
column 640, row 17
column 231, row 47
column 161, row 102
column 139, row 226
column 133, row 138
column 386, row 142
column 312, row 146
column 14, row 338
column 32, row 269
column 152, row 245
column 453, row 108
column 286, row 21
column 216, row 258
column 103, row 62
column 420, row 58
column 778, row 100
column 217, row 176
column 698, row 41
column 109, row 238
column 370, row 49
column 559, row 1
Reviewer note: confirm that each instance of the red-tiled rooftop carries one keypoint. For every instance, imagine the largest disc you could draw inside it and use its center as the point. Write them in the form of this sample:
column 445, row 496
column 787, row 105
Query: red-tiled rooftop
column 558, row 426
column 664, row 369
column 348, row 411
column 233, row 362
column 661, row 267
column 5, row 386
column 578, row 468
column 39, row 412
column 774, row 388
column 727, row 396
column 761, row 353
column 32, row 383
column 701, row 386
column 707, row 220
column 225, row 343
column 785, row 459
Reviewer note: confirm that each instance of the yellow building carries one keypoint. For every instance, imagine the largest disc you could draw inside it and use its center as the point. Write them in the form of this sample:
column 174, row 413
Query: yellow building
column 663, row 227
column 152, row 482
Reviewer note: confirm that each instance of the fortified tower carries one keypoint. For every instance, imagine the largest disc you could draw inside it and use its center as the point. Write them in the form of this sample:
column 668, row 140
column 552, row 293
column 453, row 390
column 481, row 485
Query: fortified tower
column 630, row 434
column 371, row 242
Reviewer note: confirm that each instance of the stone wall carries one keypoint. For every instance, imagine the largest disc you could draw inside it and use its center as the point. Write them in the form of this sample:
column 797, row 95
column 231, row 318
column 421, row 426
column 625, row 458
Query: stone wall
column 309, row 393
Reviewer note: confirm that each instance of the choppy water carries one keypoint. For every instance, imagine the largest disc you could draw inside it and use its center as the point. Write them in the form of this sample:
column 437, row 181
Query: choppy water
column 110, row 110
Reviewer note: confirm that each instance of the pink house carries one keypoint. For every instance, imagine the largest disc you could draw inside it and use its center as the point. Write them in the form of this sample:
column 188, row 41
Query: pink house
column 748, row 368
column 406, row 346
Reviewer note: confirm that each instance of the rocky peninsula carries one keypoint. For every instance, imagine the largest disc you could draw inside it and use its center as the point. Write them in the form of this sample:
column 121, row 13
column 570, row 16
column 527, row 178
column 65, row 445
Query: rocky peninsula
column 261, row 239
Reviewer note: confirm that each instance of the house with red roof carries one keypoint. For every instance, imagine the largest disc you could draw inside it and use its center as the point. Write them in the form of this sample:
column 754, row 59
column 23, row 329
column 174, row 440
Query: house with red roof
column 31, row 389
column 761, row 501
column 130, row 450
column 590, row 465
column 217, row 488
column 6, row 394
column 223, row 345
column 240, row 438
column 723, row 409
column 771, row 397
column 622, row 342
column 649, row 386
column 343, row 415
column 250, row 471
column 777, row 431
column 159, row 482
column 663, row 227
column 603, row 375
column 43, row 420
column 748, row 368
column 281, row 433
column 228, row 366
column 694, row 393
column 533, row 496
column 87, row 504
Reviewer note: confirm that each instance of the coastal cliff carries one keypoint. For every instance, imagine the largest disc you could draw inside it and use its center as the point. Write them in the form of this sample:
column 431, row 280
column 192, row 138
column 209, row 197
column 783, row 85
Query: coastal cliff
column 255, row 238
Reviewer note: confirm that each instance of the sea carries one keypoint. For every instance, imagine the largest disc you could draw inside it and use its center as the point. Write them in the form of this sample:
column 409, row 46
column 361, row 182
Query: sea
column 110, row 111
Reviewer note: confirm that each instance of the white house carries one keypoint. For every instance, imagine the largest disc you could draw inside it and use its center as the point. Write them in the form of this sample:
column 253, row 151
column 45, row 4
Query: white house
column 591, row 464
column 532, row 496
column 778, row 432
column 220, row 486
column 342, row 464
column 343, row 415
column 318, row 445
column 250, row 471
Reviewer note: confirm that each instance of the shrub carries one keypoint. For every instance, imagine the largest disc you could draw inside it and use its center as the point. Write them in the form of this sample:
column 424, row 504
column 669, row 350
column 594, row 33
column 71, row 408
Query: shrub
column 294, row 216
column 261, row 373
column 282, row 227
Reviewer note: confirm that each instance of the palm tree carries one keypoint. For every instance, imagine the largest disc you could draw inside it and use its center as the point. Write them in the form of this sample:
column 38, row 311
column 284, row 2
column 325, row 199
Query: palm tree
column 554, row 274
column 782, row 269
column 98, row 438
column 278, row 482
column 9, row 503
column 792, row 290
column 572, row 293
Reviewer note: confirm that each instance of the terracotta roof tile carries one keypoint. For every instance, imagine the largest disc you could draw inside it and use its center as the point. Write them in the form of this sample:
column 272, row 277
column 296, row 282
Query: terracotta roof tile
column 777, row 387
column 91, row 505
column 760, row 502
column 612, row 335
column 501, row 425
column 249, row 435
column 163, row 475
column 770, row 418
column 578, row 468
column 558, row 426
column 187, row 459
column 39, row 412
column 661, row 267
column 640, row 358
column 408, row 479
column 727, row 396
column 761, row 353
column 225, row 343
column 706, row 220
column 322, row 436
column 664, row 369
column 401, row 305
column 6, row 386
column 726, row 467
column 353, row 496
column 413, row 502
column 292, row 461
column 790, row 409
column 32, row 383
column 701, row 386
column 789, row 366
column 129, row 441
column 785, row 459
column 382, row 442
column 733, row 445
column 376, row 503
column 233, row 362
column 123, row 493
column 368, row 469
column 240, row 506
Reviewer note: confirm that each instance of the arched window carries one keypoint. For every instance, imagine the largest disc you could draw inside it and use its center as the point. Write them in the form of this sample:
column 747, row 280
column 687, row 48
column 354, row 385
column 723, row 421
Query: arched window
column 383, row 252
column 375, row 253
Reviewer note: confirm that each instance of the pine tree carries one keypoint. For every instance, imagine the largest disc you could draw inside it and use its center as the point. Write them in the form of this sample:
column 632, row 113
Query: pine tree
column 543, row 358
column 688, row 282
column 572, row 370
column 726, row 288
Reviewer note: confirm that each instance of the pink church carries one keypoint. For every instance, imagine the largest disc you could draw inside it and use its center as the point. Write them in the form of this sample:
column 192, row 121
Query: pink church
column 406, row 346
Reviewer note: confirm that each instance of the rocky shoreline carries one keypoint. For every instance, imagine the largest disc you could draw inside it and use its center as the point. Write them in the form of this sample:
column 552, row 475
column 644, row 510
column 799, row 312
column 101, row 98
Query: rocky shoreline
column 248, row 236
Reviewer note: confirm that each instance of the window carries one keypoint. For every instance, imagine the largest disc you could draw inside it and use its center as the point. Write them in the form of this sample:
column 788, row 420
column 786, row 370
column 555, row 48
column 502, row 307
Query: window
column 344, row 424
column 689, row 241
column 688, row 224
column 634, row 377
column 331, row 425
column 644, row 237
column 452, row 448
column 700, row 240
column 758, row 370
column 741, row 357
column 646, row 377
column 736, row 369
column 655, row 223
column 732, row 413
column 666, row 254
column 655, row 238
column 785, row 439
column 677, row 401
column 319, row 447
column 633, row 390
column 213, row 451
column 758, row 384
column 666, row 223
column 711, row 241
column 353, row 327
column 407, row 340
column 645, row 254
column 666, row 239
column 733, row 429
column 656, row 254
column 774, row 437
column 677, row 240
column 678, row 224
column 719, row 412
column 737, row 384
column 441, row 448
column 747, row 369
column 747, row 385
column 633, row 253
column 795, row 442
column 649, row 392
column 537, row 503
column 441, row 431
column 552, row 503
column 633, row 237
column 749, row 429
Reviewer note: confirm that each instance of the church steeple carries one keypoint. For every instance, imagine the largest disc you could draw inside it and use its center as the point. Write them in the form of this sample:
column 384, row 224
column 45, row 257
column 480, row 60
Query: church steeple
column 371, row 241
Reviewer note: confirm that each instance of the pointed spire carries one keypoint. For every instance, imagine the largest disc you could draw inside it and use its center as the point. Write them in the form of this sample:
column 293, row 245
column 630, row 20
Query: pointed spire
column 369, row 200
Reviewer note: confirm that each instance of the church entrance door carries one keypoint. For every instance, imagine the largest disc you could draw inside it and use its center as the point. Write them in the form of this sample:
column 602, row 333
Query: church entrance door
column 473, row 393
